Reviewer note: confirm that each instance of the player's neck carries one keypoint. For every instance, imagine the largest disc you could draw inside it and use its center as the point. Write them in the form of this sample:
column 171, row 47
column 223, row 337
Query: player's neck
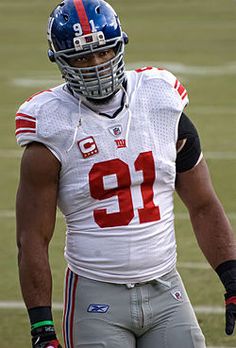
column 107, row 107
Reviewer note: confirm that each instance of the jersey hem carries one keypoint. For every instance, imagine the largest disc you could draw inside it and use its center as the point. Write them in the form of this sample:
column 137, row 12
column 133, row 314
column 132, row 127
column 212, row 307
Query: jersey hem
column 123, row 281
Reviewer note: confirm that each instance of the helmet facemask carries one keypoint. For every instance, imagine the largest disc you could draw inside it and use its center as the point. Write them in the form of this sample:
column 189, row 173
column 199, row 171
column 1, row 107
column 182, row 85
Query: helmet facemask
column 95, row 82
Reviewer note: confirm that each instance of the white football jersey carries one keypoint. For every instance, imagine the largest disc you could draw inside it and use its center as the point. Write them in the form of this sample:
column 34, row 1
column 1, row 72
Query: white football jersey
column 117, row 175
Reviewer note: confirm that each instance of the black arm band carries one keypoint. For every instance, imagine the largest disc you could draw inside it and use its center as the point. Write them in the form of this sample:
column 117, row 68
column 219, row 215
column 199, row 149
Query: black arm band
column 189, row 155
column 227, row 273
column 40, row 314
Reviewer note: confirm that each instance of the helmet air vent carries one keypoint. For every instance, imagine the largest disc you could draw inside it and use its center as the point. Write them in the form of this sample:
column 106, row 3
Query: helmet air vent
column 97, row 10
column 66, row 17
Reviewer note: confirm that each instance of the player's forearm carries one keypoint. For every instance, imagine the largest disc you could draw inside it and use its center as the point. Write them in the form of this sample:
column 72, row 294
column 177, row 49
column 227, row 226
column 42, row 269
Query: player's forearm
column 214, row 233
column 35, row 275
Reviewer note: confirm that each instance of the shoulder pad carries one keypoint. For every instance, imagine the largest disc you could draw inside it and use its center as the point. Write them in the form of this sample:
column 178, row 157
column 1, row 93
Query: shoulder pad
column 28, row 114
column 162, row 74
column 42, row 95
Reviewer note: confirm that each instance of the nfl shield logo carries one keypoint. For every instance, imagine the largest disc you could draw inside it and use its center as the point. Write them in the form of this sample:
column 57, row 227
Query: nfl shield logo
column 116, row 130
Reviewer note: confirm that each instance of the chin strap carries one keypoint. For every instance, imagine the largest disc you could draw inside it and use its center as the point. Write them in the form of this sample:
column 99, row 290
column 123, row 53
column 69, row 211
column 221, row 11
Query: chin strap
column 127, row 106
column 76, row 128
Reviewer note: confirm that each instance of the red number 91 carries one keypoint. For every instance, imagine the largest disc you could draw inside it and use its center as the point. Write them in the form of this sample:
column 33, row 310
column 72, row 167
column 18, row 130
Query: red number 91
column 148, row 213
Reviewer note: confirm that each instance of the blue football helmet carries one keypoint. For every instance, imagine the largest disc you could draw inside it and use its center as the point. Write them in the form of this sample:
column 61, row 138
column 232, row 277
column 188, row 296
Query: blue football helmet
column 80, row 27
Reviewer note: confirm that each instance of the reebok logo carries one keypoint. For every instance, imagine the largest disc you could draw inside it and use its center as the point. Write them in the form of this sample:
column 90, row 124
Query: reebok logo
column 97, row 308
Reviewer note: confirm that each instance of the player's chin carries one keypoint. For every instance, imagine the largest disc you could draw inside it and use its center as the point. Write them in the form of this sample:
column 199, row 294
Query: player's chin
column 102, row 101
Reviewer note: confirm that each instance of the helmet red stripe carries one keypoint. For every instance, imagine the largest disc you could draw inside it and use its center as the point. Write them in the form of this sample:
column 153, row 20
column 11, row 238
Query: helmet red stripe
column 82, row 16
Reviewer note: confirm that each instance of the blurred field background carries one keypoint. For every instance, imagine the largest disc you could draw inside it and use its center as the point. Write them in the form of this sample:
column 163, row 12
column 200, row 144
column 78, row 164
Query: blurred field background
column 193, row 39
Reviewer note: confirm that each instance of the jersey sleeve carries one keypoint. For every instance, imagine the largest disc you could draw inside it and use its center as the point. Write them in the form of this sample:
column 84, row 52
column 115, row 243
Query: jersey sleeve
column 33, row 124
column 26, row 124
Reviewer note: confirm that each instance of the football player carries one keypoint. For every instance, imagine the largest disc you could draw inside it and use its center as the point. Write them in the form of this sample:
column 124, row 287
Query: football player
column 109, row 147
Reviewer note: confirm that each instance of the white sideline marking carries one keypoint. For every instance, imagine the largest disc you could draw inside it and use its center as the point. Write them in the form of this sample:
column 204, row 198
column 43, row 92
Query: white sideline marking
column 219, row 155
column 209, row 310
column 193, row 265
column 213, row 110
column 185, row 216
column 175, row 67
column 8, row 153
column 15, row 4
column 37, row 82
column 228, row 68
column 21, row 305
column 7, row 214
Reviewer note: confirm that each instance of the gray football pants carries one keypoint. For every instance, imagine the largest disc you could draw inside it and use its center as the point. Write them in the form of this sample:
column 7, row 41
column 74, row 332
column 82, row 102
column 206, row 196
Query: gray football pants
column 156, row 314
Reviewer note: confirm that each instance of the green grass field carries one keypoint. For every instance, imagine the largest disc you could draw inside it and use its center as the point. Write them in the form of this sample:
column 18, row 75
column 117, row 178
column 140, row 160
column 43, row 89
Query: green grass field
column 193, row 39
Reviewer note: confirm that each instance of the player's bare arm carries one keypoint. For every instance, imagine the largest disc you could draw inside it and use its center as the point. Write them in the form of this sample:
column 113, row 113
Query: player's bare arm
column 212, row 229
column 36, row 212
column 211, row 226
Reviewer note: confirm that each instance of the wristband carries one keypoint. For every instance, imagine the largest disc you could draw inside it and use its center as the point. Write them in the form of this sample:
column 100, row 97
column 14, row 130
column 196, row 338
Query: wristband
column 42, row 323
column 227, row 273
column 40, row 315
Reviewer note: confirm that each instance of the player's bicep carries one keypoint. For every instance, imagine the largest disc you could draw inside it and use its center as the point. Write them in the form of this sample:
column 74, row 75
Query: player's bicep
column 195, row 187
column 36, row 199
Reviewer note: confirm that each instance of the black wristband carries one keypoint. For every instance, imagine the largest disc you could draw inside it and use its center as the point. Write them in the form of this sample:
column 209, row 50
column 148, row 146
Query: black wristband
column 40, row 314
column 227, row 273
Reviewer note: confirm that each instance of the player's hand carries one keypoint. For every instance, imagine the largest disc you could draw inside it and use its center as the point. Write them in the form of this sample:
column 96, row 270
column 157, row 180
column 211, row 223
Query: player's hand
column 230, row 313
column 45, row 337
column 51, row 344
column 227, row 273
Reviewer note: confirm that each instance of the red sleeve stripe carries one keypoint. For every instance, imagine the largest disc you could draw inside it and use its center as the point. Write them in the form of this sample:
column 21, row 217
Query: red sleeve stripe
column 231, row 300
column 19, row 114
column 22, row 130
column 180, row 89
column 184, row 95
column 25, row 124
column 83, row 18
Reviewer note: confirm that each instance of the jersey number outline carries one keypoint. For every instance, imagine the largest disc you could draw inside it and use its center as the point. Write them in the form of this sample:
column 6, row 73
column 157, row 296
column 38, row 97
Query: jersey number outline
column 149, row 213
